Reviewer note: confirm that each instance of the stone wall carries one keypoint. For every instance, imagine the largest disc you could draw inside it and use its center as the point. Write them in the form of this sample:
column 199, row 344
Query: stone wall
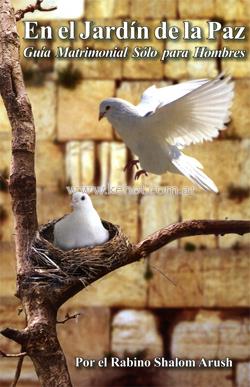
column 190, row 299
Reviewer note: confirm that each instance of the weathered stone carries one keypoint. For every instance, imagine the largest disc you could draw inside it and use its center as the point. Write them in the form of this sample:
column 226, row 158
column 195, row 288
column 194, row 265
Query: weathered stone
column 206, row 278
column 8, row 269
column 118, row 159
column 199, row 206
column 103, row 159
column 49, row 165
column 141, row 68
column 235, row 67
column 225, row 162
column 73, row 165
column 89, row 333
column 193, row 377
column 64, row 10
column 191, row 68
column 210, row 337
column 121, row 210
column 87, row 154
column 102, row 68
column 234, row 209
column 157, row 212
column 126, row 287
column 106, row 8
column 87, row 337
column 4, row 120
column 5, row 152
column 243, row 374
column 43, row 101
column 157, row 9
column 78, row 111
column 136, row 331
column 233, row 8
column 6, row 218
column 241, row 107
column 52, row 205
column 199, row 9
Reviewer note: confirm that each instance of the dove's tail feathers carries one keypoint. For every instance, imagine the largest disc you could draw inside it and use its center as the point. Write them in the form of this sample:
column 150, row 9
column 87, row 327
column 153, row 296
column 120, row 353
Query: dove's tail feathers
column 191, row 168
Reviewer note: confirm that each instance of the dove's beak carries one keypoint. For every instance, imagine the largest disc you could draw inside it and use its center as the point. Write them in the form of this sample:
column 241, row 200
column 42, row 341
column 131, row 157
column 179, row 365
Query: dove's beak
column 101, row 115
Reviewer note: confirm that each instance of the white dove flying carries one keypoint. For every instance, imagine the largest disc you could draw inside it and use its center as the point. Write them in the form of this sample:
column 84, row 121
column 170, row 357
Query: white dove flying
column 169, row 118
column 81, row 228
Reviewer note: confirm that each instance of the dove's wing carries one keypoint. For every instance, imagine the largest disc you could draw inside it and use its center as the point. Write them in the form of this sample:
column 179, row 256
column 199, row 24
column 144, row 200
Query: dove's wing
column 153, row 97
column 194, row 117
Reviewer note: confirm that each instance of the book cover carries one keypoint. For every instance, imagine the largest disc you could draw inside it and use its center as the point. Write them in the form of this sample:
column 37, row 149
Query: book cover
column 165, row 301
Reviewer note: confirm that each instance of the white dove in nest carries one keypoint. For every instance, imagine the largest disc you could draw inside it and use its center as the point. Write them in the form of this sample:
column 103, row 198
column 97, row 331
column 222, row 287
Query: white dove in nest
column 81, row 228
column 169, row 118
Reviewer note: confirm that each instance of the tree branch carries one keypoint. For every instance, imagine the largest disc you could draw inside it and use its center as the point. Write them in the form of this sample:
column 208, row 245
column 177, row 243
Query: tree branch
column 189, row 228
column 156, row 241
column 21, row 354
column 68, row 317
column 32, row 8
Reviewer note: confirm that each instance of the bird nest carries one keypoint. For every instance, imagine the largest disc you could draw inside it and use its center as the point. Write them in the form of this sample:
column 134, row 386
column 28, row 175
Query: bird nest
column 84, row 262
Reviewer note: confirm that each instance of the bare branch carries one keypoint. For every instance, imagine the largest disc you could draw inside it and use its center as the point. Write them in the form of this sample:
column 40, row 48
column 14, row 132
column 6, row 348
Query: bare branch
column 18, row 371
column 32, row 8
column 156, row 241
column 189, row 228
column 68, row 317
column 19, row 337
column 21, row 354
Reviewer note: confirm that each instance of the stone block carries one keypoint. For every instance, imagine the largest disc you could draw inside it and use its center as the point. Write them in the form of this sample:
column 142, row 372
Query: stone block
column 52, row 205
column 103, row 68
column 119, row 209
column 198, row 9
column 87, row 337
column 103, row 160
column 6, row 218
column 211, row 337
column 106, row 9
column 8, row 270
column 153, row 9
column 78, row 111
column 126, row 287
column 141, row 68
column 136, row 331
column 241, row 107
column 193, row 67
column 225, row 162
column 233, row 9
column 157, row 212
column 235, row 67
column 208, row 278
column 87, row 154
column 49, row 165
column 73, row 164
column 43, row 102
column 193, row 377
column 201, row 205
column 4, row 121
column 232, row 209
column 243, row 374
column 118, row 159
column 5, row 152
column 64, row 10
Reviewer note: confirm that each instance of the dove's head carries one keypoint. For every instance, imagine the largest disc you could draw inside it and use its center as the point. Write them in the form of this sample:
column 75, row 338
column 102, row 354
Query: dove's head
column 114, row 108
column 81, row 201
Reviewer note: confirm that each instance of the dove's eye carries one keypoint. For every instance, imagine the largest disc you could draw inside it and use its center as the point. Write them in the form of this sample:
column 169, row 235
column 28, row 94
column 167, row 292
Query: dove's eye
column 107, row 107
column 83, row 198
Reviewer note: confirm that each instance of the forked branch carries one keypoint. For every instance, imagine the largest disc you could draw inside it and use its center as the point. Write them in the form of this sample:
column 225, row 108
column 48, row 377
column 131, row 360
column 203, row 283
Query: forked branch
column 32, row 8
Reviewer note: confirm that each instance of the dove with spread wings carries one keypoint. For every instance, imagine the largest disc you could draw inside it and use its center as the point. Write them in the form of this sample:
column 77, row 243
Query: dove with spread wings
column 168, row 119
